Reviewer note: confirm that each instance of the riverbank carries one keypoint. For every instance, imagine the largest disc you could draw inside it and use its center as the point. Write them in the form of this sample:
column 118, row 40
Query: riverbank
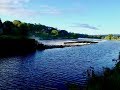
column 17, row 46
column 109, row 81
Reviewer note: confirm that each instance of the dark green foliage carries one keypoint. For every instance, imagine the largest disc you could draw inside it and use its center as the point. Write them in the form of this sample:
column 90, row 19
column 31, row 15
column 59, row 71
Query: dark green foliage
column 74, row 35
column 112, row 37
column 18, row 28
column 1, row 25
column 7, row 27
column 63, row 33
column 109, row 81
column 73, row 86
column 23, row 29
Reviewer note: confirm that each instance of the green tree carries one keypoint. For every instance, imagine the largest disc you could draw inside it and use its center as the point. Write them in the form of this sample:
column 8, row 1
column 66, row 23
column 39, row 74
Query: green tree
column 7, row 27
column 24, row 29
column 1, row 27
column 18, row 28
column 63, row 33
column 109, row 37
column 17, row 23
column 16, row 31
column 54, row 33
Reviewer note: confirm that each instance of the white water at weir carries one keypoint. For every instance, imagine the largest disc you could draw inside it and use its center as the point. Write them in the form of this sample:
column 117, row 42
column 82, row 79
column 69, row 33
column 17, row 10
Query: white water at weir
column 61, row 42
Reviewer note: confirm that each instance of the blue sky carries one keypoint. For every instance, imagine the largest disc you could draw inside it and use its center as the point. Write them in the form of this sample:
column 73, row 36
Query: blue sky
column 80, row 16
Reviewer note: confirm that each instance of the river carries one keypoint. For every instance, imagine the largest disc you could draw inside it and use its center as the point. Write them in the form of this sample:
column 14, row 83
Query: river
column 55, row 68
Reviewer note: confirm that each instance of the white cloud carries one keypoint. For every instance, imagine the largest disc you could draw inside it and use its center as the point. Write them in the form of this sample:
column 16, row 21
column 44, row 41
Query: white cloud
column 45, row 9
column 7, row 2
column 20, row 8
column 87, row 26
column 13, row 3
column 13, row 7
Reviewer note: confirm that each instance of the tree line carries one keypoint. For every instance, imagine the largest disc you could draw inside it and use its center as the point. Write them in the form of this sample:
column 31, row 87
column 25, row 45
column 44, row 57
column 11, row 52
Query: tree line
column 112, row 37
column 17, row 28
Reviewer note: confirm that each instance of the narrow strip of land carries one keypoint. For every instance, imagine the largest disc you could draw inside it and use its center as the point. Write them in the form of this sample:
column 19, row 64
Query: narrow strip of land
column 65, row 44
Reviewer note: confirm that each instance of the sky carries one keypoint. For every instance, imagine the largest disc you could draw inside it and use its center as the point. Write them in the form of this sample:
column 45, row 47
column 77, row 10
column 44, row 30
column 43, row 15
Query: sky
column 79, row 16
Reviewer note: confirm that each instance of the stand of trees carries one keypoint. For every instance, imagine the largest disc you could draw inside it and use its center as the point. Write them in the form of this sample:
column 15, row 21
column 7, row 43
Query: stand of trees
column 112, row 37
column 16, row 29
column 22, row 29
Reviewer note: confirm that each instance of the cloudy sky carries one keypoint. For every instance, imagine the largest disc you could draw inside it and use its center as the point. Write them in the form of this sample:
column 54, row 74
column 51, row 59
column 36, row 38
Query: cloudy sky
column 81, row 16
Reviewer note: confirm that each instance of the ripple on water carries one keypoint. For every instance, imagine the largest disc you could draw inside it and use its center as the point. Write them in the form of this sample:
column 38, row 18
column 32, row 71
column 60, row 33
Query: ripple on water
column 54, row 68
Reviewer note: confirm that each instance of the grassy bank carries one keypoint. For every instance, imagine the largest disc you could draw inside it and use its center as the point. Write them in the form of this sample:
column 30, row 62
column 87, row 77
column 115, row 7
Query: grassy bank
column 109, row 81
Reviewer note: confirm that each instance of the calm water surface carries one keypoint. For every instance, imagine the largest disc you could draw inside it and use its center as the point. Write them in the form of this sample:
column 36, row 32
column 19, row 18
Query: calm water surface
column 54, row 68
